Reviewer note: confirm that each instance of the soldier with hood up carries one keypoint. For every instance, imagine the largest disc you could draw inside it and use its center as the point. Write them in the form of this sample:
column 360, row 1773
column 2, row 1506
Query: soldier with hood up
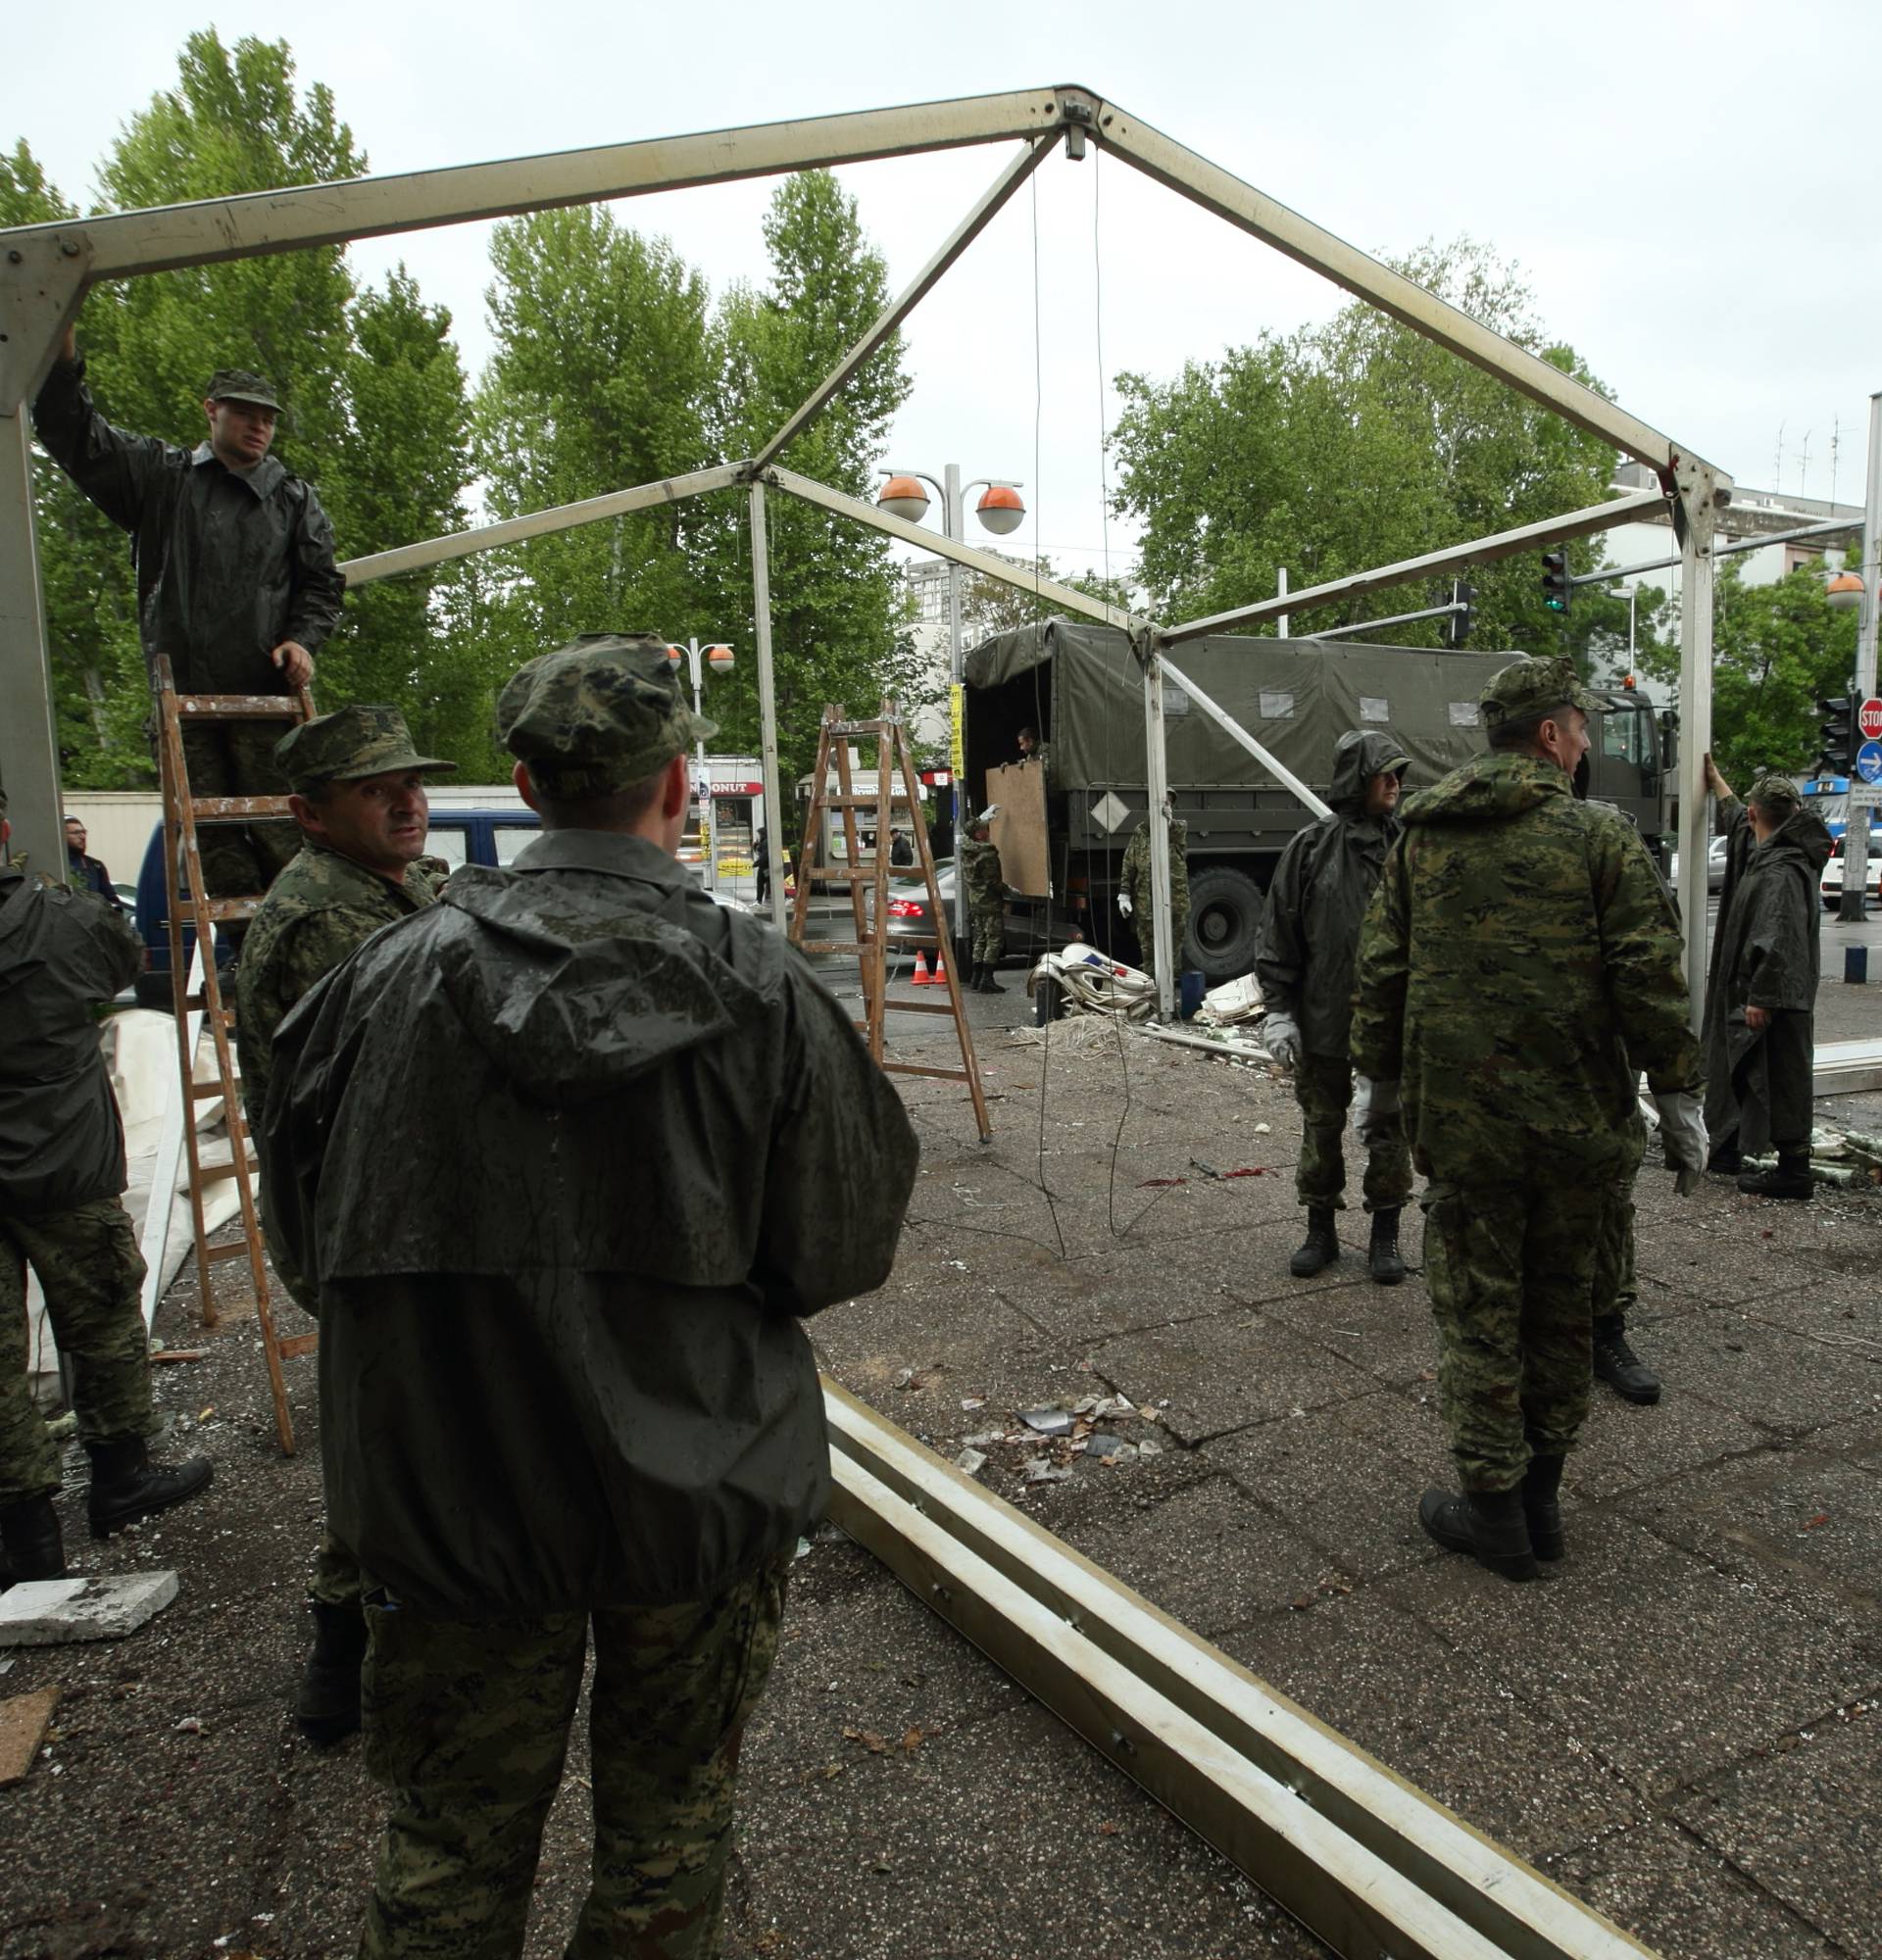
column 1520, row 964
column 1760, row 1004
column 1303, row 959
column 566, row 1158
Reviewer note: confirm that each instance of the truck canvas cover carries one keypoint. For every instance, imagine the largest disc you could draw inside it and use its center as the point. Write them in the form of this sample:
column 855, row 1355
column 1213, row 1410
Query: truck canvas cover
column 1295, row 697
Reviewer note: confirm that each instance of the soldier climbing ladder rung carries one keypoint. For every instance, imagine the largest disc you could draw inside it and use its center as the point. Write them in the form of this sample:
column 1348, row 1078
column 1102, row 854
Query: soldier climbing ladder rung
column 184, row 878
column 895, row 759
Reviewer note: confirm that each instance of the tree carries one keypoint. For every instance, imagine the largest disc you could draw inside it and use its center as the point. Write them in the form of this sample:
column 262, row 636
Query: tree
column 1776, row 649
column 1354, row 443
column 838, row 615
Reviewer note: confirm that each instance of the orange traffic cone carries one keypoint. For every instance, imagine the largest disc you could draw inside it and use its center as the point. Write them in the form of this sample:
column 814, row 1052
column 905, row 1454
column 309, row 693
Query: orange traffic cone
column 922, row 977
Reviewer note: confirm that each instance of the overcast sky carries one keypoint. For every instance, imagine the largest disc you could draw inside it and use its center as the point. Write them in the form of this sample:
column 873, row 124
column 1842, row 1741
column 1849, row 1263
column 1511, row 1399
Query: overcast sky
column 1689, row 189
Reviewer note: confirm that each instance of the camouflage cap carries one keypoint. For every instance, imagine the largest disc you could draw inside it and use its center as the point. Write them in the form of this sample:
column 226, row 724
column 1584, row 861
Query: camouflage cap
column 598, row 714
column 1531, row 687
column 237, row 384
column 348, row 744
column 1774, row 792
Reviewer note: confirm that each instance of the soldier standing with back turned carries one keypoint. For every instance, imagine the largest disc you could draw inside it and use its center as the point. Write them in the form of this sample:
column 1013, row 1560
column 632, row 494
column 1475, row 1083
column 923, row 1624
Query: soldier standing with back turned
column 1134, row 899
column 986, row 902
column 359, row 798
column 1520, row 961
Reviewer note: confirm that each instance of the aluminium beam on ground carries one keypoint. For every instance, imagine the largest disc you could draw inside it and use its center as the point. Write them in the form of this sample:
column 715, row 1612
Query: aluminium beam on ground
column 1218, row 191
column 538, row 523
column 767, row 701
column 125, row 244
column 992, row 201
column 1452, row 557
column 1357, row 1853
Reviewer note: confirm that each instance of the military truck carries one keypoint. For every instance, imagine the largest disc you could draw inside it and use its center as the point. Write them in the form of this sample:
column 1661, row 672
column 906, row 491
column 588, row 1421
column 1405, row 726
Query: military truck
column 1079, row 686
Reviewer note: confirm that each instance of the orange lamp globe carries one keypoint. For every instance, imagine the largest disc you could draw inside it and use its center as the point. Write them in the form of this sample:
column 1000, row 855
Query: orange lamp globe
column 903, row 497
column 1844, row 591
column 674, row 655
column 720, row 659
column 1001, row 509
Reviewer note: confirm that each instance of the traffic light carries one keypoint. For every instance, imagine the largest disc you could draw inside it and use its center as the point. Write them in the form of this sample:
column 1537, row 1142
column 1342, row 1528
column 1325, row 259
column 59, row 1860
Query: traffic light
column 1457, row 628
column 1555, row 580
column 1838, row 722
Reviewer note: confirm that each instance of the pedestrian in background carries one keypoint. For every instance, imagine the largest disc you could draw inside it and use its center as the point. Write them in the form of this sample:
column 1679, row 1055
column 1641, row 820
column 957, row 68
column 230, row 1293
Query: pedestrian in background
column 88, row 874
column 1761, row 997
column 1519, row 963
column 1304, row 959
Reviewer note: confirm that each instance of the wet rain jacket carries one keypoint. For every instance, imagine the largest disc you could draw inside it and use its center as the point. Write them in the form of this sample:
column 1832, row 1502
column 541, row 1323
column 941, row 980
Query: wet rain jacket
column 1317, row 898
column 62, row 952
column 566, row 1156
column 227, row 566
column 1765, row 953
column 1519, row 955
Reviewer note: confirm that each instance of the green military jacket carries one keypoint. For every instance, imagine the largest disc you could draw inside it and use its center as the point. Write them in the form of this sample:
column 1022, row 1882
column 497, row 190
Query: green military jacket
column 1134, row 873
column 1519, row 961
column 320, row 908
column 986, row 880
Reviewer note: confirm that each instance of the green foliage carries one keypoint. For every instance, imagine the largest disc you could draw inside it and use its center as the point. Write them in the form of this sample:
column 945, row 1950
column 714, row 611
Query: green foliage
column 1357, row 443
column 1776, row 649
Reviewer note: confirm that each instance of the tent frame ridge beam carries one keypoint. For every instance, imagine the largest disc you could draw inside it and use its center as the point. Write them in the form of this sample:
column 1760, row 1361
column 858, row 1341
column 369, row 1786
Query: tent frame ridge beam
column 991, row 202
column 1063, row 597
column 540, row 523
column 1216, row 191
column 1454, row 557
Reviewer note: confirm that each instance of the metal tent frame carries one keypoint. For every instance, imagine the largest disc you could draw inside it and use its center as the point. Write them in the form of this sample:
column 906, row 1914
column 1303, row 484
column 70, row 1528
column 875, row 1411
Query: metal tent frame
column 46, row 270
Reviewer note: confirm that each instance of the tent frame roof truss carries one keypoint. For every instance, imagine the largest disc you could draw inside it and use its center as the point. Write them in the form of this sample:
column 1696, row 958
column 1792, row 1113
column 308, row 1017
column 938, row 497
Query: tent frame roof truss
column 46, row 270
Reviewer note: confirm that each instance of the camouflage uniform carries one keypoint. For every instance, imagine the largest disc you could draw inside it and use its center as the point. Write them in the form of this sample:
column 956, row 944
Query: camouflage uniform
column 315, row 914
column 1520, row 957
column 1616, row 1293
column 595, row 1408
column 986, row 900
column 1133, row 877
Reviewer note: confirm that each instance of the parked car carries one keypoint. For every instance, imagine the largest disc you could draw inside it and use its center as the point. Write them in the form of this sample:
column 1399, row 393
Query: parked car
column 1830, row 884
column 1715, row 866
column 1033, row 926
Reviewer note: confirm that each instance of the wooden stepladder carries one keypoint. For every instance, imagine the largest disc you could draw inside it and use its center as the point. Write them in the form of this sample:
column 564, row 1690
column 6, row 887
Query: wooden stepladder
column 897, row 786
column 183, row 874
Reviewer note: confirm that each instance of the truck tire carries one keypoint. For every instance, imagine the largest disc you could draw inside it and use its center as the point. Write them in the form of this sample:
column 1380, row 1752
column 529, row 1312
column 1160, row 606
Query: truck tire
column 1225, row 910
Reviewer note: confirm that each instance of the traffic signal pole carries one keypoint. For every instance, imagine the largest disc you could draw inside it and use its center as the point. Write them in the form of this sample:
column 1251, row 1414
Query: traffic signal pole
column 1856, row 835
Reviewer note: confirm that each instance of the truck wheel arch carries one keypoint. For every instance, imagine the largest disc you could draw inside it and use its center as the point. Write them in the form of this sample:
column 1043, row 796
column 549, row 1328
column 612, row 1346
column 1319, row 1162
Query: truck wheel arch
column 1225, row 911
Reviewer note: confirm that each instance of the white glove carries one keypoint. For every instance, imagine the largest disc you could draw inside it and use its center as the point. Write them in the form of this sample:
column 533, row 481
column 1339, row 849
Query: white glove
column 1682, row 1135
column 1282, row 1040
column 1374, row 1104
column 1123, row 904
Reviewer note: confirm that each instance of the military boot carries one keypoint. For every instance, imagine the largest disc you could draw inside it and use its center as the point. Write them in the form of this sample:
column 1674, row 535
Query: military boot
column 1320, row 1248
column 1789, row 1177
column 1489, row 1525
column 30, row 1546
column 327, row 1706
column 1542, row 1506
column 1617, row 1364
column 1386, row 1262
column 126, row 1486
column 988, row 984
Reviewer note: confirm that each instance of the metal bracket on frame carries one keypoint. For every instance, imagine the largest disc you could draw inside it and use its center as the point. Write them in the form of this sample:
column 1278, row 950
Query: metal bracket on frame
column 48, row 274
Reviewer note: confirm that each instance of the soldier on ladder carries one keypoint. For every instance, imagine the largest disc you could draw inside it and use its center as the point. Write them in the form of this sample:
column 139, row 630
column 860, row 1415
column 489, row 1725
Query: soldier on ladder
column 236, row 580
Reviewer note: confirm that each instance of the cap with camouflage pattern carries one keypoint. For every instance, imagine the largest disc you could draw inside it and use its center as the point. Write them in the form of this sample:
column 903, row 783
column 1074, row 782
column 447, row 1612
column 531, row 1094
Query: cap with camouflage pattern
column 1774, row 792
column 237, row 384
column 1531, row 687
column 348, row 744
column 596, row 715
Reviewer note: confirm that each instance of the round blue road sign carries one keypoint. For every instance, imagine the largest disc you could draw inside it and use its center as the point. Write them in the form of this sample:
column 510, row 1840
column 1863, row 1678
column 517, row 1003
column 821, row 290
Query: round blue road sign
column 1868, row 761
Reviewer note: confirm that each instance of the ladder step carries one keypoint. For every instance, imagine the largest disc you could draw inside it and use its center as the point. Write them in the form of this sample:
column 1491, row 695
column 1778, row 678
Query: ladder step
column 861, row 801
column 221, row 1173
column 221, row 910
column 920, row 1006
column 238, row 1251
column 232, row 809
column 915, row 1069
column 238, row 708
column 296, row 1345
column 203, row 1091
column 854, row 874
column 835, row 946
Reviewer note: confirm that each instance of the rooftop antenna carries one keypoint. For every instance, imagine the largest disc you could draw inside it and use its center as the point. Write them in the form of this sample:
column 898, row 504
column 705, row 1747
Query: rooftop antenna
column 1803, row 467
column 1836, row 442
column 1777, row 465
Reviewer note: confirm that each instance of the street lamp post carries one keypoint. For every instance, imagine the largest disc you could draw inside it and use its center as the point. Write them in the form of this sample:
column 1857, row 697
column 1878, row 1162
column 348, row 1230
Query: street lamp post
column 717, row 658
column 1000, row 510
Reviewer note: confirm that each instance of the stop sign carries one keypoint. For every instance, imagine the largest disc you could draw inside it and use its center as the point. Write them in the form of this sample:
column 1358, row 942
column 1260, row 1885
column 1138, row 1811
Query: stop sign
column 1868, row 718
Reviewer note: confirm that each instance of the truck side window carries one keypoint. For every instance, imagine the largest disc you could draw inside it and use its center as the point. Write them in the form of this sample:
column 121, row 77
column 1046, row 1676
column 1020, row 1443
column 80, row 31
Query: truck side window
column 1277, row 706
column 1464, row 714
column 1374, row 707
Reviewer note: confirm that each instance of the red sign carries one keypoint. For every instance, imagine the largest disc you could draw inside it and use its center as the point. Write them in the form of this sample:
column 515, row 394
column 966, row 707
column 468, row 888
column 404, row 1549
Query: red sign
column 1868, row 718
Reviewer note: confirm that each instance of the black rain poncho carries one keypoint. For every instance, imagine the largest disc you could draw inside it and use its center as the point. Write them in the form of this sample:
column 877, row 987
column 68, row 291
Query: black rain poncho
column 1316, row 900
column 1759, row 1084
column 565, row 1157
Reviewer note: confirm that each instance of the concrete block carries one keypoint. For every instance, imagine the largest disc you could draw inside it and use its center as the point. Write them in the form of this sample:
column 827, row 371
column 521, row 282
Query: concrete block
column 49, row 1612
